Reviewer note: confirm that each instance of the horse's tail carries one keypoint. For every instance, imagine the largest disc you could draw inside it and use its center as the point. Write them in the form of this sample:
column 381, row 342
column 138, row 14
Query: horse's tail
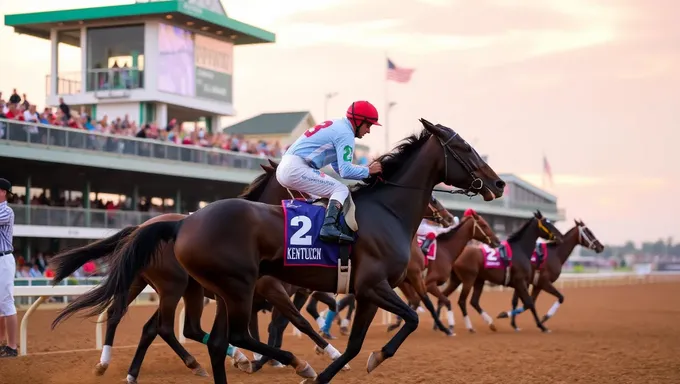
column 65, row 263
column 129, row 259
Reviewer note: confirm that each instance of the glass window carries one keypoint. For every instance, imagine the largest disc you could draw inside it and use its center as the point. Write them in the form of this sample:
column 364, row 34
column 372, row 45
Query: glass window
column 115, row 57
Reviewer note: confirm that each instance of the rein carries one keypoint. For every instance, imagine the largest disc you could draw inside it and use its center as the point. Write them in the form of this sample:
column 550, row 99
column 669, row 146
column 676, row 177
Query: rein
column 475, row 186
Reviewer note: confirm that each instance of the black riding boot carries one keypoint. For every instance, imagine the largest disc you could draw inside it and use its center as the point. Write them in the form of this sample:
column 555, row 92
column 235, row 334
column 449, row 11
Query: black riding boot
column 330, row 232
column 426, row 246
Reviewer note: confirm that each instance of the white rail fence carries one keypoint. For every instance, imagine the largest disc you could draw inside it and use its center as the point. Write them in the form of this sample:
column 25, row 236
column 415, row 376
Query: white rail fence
column 43, row 292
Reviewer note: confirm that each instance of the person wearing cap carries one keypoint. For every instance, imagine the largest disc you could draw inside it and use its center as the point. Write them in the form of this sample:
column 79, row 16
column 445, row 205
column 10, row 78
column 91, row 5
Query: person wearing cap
column 8, row 312
column 331, row 142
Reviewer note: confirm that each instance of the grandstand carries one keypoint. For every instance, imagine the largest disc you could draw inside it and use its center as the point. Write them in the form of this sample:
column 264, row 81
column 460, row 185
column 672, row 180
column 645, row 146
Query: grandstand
column 115, row 146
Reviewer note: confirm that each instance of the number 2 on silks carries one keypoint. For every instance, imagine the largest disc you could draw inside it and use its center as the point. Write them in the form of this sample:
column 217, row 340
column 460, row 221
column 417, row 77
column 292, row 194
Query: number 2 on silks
column 301, row 237
column 318, row 127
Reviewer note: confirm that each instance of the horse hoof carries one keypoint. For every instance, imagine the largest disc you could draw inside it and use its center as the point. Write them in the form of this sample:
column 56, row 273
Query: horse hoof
column 309, row 381
column 318, row 350
column 502, row 315
column 472, row 330
column 199, row 371
column 344, row 331
column 518, row 329
column 307, row 372
column 546, row 330
column 375, row 359
column 245, row 366
column 492, row 327
column 276, row 364
column 346, row 367
column 100, row 368
column 131, row 380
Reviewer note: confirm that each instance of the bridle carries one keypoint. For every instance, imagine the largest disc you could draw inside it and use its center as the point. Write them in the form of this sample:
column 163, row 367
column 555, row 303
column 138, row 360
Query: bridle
column 436, row 214
column 583, row 235
column 475, row 186
column 476, row 227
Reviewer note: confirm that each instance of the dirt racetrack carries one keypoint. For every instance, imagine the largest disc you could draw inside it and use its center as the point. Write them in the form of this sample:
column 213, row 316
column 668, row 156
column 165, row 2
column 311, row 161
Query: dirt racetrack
column 624, row 334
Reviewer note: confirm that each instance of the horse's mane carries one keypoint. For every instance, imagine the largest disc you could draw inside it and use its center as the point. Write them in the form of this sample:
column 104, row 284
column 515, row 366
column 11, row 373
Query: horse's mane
column 394, row 160
column 553, row 243
column 445, row 236
column 253, row 191
column 515, row 236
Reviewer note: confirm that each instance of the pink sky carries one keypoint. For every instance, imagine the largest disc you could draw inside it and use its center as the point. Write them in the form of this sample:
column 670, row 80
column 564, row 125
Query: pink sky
column 593, row 84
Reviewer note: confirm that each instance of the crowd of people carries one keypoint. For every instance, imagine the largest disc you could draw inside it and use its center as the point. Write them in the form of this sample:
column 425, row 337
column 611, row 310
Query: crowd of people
column 20, row 108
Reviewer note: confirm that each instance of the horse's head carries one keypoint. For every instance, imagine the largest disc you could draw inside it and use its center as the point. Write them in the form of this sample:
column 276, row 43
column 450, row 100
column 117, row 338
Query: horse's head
column 587, row 239
column 463, row 167
column 482, row 230
column 546, row 229
column 439, row 213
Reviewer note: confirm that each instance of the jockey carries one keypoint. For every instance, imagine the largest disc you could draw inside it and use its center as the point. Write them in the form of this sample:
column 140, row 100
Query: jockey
column 431, row 232
column 331, row 142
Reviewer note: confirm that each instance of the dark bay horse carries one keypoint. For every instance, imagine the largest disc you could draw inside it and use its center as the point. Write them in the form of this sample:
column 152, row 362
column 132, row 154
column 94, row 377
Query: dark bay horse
column 449, row 246
column 227, row 244
column 513, row 271
column 171, row 282
column 547, row 267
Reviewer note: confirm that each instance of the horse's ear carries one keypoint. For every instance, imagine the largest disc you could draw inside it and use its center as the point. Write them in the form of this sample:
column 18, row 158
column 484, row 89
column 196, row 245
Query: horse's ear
column 576, row 222
column 267, row 168
column 538, row 214
column 273, row 163
column 433, row 129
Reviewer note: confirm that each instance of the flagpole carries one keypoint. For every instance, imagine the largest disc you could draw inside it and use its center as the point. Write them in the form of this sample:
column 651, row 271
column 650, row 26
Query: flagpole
column 387, row 105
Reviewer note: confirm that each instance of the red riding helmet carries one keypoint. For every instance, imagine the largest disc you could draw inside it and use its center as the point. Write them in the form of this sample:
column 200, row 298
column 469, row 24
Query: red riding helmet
column 361, row 111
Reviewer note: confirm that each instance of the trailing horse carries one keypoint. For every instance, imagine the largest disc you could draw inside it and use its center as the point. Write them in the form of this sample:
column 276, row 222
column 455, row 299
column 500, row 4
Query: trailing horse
column 507, row 265
column 227, row 244
column 449, row 246
column 171, row 282
column 546, row 263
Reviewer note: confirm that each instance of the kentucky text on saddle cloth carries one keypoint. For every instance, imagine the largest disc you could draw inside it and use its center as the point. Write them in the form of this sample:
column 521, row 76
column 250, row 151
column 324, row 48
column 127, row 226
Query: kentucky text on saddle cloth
column 303, row 247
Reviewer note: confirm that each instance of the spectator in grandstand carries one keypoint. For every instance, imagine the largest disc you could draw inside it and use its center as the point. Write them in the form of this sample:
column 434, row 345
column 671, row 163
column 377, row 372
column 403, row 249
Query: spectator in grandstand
column 31, row 115
column 65, row 110
column 8, row 312
column 15, row 98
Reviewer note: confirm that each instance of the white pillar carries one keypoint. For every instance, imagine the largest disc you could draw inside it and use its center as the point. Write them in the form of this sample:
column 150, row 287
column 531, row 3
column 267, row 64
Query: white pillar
column 162, row 115
column 54, row 63
column 217, row 123
column 83, row 60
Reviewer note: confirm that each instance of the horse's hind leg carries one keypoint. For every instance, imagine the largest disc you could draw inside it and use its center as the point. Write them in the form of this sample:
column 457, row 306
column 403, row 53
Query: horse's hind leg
column 550, row 288
column 136, row 288
column 474, row 301
column 454, row 283
column 162, row 323
column 312, row 310
column 348, row 301
column 238, row 295
column 523, row 292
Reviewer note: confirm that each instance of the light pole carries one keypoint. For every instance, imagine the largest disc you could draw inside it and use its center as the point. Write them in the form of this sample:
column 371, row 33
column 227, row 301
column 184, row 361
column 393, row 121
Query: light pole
column 329, row 96
column 387, row 124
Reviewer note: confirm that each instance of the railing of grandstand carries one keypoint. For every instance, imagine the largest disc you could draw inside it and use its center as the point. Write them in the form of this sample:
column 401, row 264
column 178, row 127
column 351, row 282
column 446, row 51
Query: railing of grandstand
column 100, row 79
column 76, row 139
column 77, row 217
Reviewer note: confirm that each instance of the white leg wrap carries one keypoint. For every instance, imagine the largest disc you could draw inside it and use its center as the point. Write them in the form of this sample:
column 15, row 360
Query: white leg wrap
column 344, row 323
column 468, row 323
column 131, row 379
column 553, row 309
column 320, row 321
column 487, row 318
column 449, row 316
column 331, row 352
column 256, row 356
column 239, row 356
column 106, row 354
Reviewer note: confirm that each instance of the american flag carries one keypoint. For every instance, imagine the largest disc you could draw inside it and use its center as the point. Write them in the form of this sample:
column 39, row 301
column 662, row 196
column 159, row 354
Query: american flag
column 546, row 169
column 400, row 75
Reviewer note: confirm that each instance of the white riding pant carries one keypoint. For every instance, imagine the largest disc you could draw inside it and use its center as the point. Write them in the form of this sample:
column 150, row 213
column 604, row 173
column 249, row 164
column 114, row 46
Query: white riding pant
column 294, row 173
column 7, row 272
